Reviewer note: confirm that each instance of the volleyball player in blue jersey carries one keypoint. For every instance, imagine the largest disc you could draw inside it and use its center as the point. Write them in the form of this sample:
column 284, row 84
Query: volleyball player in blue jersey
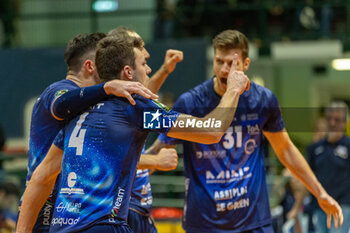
column 225, row 182
column 102, row 147
column 51, row 111
column 139, row 218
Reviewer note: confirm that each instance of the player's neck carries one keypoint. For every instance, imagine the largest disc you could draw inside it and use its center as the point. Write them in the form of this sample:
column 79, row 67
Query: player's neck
column 78, row 79
column 334, row 137
column 217, row 88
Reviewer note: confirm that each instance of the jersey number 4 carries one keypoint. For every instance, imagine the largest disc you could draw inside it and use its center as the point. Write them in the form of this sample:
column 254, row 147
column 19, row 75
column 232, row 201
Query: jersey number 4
column 78, row 135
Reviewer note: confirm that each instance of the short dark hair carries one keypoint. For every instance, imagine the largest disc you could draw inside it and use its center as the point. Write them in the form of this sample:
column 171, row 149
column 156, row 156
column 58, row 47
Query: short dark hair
column 232, row 39
column 113, row 53
column 78, row 47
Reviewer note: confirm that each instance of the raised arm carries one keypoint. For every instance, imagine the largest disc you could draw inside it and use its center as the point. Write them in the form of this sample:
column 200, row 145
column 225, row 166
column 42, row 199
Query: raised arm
column 39, row 189
column 75, row 101
column 172, row 57
column 291, row 157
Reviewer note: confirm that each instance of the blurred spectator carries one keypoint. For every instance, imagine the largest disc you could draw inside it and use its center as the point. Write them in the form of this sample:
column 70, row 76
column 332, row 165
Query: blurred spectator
column 8, row 15
column 9, row 195
column 292, row 193
column 189, row 16
column 320, row 129
column 164, row 23
column 330, row 161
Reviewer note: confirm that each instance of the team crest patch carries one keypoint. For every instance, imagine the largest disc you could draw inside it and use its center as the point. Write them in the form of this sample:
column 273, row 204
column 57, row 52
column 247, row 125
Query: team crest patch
column 61, row 92
column 162, row 106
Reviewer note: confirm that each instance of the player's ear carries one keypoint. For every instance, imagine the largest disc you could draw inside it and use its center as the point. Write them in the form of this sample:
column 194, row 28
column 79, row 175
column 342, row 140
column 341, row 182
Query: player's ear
column 127, row 73
column 89, row 66
column 246, row 64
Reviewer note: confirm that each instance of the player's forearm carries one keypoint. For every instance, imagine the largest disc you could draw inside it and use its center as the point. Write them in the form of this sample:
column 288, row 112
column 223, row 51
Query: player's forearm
column 295, row 162
column 75, row 101
column 219, row 121
column 157, row 146
column 34, row 198
column 147, row 162
column 157, row 80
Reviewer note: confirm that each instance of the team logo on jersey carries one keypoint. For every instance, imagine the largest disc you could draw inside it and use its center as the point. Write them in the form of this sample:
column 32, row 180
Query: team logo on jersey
column 341, row 151
column 72, row 180
column 250, row 146
column 162, row 106
column 61, row 92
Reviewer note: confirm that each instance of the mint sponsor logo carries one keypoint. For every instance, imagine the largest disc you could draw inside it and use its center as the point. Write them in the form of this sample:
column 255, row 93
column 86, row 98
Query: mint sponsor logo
column 72, row 179
column 118, row 202
column 228, row 194
column 65, row 221
column 242, row 203
column 227, row 176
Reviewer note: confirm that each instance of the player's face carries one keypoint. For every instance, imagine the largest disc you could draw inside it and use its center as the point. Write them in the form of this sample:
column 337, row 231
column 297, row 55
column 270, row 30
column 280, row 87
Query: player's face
column 222, row 62
column 336, row 121
column 142, row 70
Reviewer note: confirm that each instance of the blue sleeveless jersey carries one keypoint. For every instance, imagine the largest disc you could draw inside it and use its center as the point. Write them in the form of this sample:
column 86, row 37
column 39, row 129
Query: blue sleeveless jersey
column 225, row 182
column 101, row 150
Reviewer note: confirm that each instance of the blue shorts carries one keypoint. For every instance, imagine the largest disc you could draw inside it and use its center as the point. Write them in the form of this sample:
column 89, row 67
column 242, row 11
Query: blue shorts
column 140, row 222
column 108, row 228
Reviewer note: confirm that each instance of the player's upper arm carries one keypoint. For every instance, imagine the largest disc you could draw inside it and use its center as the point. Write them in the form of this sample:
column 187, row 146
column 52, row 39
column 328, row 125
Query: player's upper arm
column 53, row 112
column 50, row 167
column 279, row 141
